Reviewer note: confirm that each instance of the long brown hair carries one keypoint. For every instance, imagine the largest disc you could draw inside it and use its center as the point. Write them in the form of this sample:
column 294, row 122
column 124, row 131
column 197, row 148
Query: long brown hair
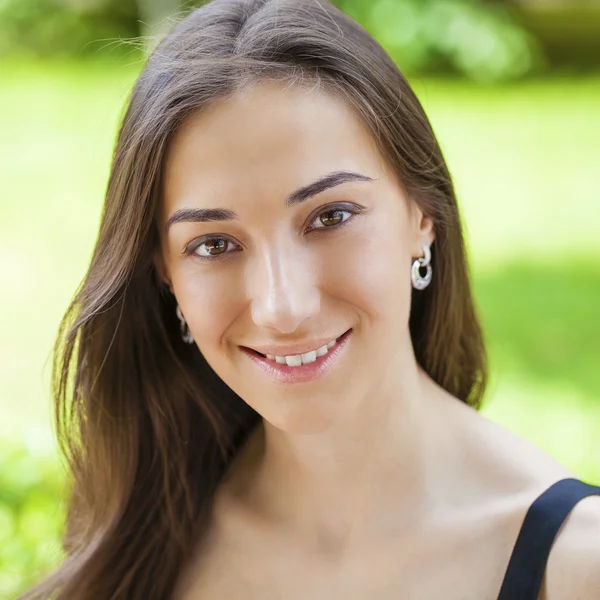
column 147, row 426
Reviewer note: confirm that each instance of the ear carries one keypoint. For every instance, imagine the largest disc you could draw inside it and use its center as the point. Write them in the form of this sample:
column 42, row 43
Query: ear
column 162, row 271
column 424, row 232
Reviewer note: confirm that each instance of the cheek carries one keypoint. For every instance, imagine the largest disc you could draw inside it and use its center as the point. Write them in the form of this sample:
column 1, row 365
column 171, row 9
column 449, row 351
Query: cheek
column 210, row 301
column 370, row 270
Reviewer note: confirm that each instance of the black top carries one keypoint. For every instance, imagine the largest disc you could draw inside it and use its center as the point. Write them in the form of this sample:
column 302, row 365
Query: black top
column 542, row 522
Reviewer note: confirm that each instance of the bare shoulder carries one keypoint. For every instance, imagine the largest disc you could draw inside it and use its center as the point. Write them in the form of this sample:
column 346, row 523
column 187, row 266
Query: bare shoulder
column 519, row 469
column 573, row 569
column 506, row 455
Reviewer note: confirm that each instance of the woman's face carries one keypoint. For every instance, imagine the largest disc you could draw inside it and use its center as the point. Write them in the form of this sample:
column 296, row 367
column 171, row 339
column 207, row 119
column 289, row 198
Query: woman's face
column 281, row 230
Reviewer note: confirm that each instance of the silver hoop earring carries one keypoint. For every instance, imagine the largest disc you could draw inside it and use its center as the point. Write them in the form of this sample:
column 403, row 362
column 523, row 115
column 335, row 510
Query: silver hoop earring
column 419, row 281
column 186, row 334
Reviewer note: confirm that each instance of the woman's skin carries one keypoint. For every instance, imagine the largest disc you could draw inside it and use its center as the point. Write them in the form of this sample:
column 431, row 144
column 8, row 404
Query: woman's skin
column 370, row 481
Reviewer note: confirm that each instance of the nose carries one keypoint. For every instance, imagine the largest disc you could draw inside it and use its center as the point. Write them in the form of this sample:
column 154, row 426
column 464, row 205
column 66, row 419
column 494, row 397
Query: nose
column 283, row 288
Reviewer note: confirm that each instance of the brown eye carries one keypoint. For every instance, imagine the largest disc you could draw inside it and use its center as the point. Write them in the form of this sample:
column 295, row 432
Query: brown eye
column 212, row 248
column 334, row 216
column 215, row 247
column 331, row 217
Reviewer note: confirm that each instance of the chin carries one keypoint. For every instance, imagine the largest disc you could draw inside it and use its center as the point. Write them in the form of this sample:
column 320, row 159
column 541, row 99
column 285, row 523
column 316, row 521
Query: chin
column 305, row 416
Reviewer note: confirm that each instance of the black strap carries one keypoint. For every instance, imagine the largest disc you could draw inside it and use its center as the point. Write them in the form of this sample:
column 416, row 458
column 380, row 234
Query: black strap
column 523, row 578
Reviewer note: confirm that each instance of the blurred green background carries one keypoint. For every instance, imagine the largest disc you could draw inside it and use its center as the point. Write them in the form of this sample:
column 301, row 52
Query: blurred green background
column 513, row 91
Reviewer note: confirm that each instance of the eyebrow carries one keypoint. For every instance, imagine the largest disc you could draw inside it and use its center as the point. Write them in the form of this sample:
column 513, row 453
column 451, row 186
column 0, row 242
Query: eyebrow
column 203, row 215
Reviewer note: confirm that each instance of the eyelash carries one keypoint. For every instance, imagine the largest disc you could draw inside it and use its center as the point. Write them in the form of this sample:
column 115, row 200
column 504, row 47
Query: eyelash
column 354, row 210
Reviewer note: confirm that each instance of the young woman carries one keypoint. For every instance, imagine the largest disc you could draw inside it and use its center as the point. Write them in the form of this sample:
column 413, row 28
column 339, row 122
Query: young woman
column 267, row 385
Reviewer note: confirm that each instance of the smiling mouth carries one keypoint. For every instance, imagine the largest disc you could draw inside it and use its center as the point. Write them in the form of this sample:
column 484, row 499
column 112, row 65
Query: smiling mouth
column 308, row 356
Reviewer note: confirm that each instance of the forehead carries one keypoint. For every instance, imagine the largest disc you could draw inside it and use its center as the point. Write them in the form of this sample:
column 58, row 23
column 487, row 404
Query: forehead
column 265, row 141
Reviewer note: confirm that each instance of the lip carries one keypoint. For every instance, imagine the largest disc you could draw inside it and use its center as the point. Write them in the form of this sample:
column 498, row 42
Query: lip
column 305, row 373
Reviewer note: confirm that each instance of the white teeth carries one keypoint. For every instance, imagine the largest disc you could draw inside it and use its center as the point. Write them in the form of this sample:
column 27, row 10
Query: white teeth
column 293, row 361
column 298, row 360
column 309, row 357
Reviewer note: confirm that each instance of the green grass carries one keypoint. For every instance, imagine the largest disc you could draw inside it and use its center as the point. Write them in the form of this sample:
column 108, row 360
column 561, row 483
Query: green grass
column 524, row 159
column 524, row 163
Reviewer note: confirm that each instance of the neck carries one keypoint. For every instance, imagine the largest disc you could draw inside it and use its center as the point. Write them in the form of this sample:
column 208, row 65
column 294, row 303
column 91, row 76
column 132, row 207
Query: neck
column 370, row 472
